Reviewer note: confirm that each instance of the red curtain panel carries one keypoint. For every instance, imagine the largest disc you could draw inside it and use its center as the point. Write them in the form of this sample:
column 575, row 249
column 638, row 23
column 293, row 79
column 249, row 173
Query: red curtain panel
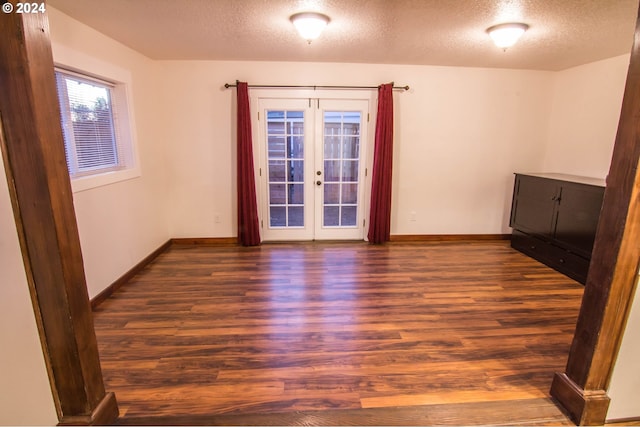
column 248, row 228
column 380, row 216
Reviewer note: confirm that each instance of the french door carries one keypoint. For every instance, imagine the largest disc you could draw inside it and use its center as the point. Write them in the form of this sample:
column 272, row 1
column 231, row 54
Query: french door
column 312, row 168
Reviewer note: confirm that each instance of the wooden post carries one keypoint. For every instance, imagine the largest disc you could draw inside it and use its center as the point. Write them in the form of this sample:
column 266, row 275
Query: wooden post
column 33, row 151
column 612, row 277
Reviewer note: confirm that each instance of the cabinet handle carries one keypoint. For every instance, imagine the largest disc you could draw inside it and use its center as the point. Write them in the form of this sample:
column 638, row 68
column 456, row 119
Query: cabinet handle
column 533, row 246
column 561, row 260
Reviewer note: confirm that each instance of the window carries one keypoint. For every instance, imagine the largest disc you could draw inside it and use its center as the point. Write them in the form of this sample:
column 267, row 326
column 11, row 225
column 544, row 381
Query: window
column 94, row 125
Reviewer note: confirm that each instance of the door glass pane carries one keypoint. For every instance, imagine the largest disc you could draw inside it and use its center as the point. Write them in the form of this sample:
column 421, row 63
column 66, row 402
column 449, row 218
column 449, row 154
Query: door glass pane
column 332, row 123
column 331, row 216
column 295, row 122
column 277, row 147
column 277, row 216
column 296, row 194
column 276, row 194
column 349, row 193
column 295, row 170
column 276, row 126
column 332, row 194
column 285, row 141
column 296, row 216
column 295, row 147
column 351, row 148
column 341, row 164
column 332, row 147
column 276, row 170
column 348, row 215
column 332, row 170
column 350, row 170
column 352, row 124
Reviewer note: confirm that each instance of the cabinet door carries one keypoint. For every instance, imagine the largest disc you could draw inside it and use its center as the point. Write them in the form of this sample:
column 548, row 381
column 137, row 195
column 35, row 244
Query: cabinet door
column 578, row 212
column 534, row 205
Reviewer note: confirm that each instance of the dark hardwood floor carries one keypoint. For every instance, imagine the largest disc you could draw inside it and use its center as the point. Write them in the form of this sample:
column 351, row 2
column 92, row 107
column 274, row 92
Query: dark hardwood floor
column 456, row 333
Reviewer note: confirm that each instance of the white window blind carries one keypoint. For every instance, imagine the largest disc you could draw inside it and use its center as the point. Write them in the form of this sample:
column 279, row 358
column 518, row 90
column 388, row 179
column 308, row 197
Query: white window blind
column 89, row 124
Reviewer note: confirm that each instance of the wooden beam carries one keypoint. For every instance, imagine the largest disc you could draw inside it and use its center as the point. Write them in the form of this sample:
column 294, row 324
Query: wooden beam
column 613, row 272
column 33, row 152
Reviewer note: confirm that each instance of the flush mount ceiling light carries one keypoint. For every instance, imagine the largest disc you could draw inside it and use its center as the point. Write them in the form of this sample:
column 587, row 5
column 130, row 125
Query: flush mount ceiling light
column 506, row 35
column 309, row 24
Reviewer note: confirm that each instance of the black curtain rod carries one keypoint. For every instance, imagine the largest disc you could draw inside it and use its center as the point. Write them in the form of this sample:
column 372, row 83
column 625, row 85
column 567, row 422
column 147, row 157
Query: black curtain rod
column 314, row 87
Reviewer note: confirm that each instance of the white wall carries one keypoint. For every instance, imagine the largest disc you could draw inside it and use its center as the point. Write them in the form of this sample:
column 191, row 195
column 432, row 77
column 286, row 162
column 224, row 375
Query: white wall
column 624, row 389
column 585, row 110
column 24, row 385
column 120, row 223
column 460, row 135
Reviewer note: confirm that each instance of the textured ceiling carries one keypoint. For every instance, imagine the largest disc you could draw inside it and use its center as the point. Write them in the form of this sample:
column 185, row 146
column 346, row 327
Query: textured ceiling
column 562, row 33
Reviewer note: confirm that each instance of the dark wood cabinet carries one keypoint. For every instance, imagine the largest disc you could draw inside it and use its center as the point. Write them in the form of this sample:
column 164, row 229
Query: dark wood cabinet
column 554, row 219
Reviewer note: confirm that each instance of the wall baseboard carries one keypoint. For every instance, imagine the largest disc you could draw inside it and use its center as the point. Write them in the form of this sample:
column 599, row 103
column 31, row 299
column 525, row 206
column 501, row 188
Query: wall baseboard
column 212, row 241
column 109, row 290
column 633, row 421
column 394, row 238
column 446, row 237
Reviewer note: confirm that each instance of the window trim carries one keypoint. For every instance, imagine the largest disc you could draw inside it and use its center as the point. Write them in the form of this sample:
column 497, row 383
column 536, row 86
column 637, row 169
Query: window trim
column 117, row 143
column 120, row 80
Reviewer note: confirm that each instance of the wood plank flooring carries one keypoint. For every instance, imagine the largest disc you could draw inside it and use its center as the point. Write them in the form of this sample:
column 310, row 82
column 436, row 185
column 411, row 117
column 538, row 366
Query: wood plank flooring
column 339, row 333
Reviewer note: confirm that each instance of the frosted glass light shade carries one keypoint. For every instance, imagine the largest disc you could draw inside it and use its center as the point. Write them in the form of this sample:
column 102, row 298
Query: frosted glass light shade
column 310, row 24
column 506, row 35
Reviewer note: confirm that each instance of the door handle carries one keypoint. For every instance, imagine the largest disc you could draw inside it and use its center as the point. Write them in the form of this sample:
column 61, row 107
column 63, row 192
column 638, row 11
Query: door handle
column 318, row 182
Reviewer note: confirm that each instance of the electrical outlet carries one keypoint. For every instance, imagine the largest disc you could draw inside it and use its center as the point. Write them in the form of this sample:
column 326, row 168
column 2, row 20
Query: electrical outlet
column 216, row 218
column 412, row 216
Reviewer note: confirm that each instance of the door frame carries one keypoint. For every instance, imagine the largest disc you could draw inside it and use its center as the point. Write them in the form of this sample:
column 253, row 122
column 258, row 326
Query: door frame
column 313, row 98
